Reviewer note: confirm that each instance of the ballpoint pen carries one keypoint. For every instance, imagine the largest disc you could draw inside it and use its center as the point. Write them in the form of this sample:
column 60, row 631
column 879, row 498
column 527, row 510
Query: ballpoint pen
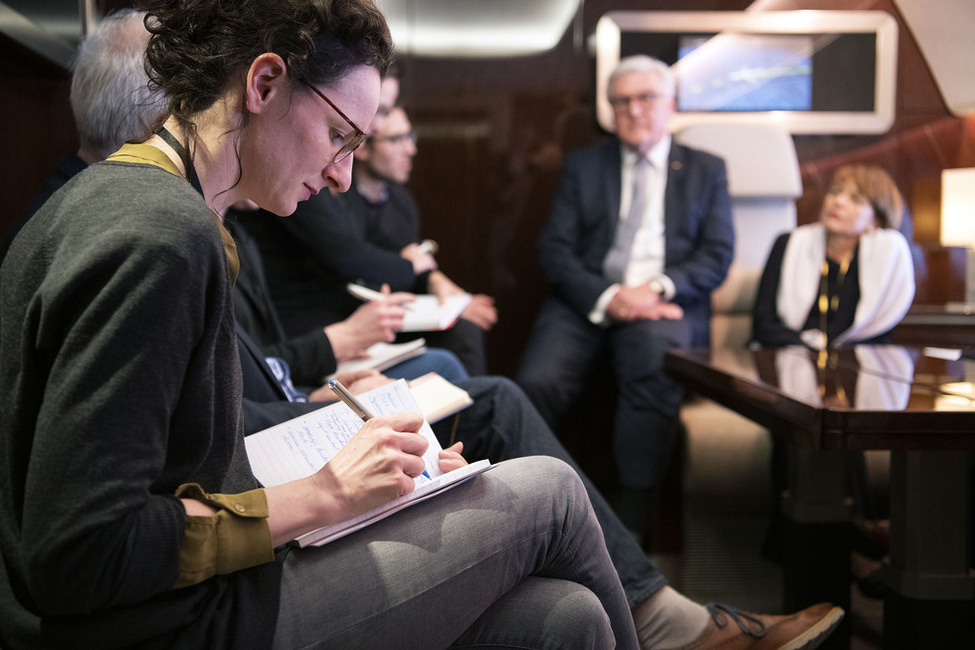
column 357, row 407
column 367, row 294
column 350, row 399
column 428, row 246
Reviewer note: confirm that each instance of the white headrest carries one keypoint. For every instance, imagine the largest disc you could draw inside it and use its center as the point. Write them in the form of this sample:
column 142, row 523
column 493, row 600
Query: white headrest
column 761, row 158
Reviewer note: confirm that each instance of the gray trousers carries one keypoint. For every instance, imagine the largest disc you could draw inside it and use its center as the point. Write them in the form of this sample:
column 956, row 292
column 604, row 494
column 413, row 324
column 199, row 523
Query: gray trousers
column 514, row 558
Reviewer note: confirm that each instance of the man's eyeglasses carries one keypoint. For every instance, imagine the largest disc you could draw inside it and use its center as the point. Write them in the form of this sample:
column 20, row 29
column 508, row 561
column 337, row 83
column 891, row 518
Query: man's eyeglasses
column 352, row 140
column 395, row 139
column 646, row 100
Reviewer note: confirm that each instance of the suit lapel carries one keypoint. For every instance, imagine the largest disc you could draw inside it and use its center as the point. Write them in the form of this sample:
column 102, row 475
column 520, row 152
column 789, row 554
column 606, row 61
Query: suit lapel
column 673, row 203
column 257, row 359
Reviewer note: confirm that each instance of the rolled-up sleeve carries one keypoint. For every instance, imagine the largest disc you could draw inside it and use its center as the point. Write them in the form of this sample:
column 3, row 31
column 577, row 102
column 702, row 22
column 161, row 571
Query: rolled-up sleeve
column 236, row 537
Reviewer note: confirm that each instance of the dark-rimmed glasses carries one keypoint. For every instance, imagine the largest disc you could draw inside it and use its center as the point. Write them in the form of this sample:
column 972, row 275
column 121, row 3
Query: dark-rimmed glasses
column 643, row 100
column 396, row 139
column 353, row 140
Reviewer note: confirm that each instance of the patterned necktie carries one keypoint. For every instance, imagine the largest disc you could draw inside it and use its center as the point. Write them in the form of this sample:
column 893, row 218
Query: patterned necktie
column 619, row 255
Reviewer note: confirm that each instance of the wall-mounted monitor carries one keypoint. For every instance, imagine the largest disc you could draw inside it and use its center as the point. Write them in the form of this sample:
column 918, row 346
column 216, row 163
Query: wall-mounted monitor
column 816, row 72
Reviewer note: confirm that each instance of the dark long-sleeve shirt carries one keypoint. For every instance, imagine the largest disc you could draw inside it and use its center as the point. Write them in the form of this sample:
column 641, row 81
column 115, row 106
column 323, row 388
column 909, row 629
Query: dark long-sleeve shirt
column 311, row 256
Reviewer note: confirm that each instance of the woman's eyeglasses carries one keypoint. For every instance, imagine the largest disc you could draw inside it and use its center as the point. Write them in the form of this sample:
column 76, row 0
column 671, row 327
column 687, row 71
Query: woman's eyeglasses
column 353, row 139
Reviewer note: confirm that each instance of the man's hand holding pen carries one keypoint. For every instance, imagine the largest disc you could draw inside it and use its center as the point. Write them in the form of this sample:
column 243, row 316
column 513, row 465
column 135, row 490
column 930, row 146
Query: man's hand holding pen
column 379, row 319
column 420, row 257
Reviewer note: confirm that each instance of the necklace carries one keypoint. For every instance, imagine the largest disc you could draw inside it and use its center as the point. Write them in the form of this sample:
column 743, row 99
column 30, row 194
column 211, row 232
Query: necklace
column 826, row 303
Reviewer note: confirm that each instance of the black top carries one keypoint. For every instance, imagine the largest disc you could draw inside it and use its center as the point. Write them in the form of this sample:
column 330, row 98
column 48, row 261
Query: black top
column 309, row 355
column 310, row 257
column 392, row 223
column 768, row 329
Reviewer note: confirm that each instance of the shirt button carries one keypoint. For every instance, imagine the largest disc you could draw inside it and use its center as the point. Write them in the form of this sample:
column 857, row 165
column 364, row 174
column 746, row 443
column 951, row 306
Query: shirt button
column 239, row 507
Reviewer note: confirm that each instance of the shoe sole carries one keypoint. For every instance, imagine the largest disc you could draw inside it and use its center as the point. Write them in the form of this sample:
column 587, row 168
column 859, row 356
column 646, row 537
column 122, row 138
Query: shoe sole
column 817, row 633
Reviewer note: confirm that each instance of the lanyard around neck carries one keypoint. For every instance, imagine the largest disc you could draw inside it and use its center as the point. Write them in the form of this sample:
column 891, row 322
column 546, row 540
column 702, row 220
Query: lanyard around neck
column 183, row 154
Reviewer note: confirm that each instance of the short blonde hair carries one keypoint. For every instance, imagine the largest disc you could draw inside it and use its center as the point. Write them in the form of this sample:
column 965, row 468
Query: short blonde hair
column 879, row 188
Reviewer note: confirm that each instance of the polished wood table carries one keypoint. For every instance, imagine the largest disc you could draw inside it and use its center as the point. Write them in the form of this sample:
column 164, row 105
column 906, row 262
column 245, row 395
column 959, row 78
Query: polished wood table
column 922, row 409
column 951, row 324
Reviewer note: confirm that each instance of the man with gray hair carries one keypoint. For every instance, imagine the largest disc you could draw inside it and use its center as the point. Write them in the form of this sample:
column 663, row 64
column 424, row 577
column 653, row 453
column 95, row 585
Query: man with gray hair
column 110, row 97
column 639, row 235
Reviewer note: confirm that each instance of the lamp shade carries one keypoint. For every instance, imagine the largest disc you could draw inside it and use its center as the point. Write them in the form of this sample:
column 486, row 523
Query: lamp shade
column 958, row 207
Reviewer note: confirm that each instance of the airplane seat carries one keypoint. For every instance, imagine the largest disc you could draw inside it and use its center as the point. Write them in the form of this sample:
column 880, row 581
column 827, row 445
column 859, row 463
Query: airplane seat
column 725, row 453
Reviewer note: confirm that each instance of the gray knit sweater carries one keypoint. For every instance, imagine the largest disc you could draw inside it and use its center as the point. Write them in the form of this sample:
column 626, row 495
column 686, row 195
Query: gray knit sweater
column 119, row 381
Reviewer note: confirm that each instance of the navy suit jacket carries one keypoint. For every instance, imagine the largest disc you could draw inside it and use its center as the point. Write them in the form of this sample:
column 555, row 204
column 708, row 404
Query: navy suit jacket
column 264, row 402
column 699, row 235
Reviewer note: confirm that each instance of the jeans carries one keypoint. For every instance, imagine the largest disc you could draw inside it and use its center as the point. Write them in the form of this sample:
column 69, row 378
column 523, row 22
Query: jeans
column 464, row 339
column 513, row 558
column 443, row 362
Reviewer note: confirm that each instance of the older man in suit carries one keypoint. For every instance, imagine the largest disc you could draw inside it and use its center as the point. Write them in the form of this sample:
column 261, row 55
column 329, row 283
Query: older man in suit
column 639, row 235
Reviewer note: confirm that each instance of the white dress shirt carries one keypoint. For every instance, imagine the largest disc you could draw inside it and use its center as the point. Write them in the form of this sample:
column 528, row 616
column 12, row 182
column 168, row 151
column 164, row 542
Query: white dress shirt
column 646, row 262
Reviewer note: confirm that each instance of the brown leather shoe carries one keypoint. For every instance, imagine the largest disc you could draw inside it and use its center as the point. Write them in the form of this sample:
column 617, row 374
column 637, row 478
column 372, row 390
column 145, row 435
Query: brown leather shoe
column 732, row 629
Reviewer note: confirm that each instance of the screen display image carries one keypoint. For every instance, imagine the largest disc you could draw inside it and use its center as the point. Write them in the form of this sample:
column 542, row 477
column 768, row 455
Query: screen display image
column 828, row 72
column 744, row 72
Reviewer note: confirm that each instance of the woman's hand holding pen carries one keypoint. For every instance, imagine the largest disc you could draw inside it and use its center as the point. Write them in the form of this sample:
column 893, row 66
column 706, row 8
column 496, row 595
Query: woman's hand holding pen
column 377, row 465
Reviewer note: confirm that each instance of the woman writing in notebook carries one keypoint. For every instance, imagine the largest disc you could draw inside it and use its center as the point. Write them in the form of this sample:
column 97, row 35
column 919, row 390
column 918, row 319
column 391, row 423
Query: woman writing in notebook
column 844, row 280
column 130, row 516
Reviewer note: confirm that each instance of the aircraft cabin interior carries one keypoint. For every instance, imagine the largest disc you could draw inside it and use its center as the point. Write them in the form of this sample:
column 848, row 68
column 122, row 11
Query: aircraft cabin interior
column 786, row 92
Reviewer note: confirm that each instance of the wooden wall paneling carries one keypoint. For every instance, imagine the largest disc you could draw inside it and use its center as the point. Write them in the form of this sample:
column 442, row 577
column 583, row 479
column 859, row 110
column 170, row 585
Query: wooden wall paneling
column 37, row 128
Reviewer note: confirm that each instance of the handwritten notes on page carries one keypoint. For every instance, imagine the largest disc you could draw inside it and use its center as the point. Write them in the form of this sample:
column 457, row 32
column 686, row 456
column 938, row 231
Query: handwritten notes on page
column 300, row 447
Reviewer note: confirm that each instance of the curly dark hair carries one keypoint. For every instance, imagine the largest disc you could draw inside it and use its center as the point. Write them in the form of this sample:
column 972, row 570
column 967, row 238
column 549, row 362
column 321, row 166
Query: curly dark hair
column 199, row 48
